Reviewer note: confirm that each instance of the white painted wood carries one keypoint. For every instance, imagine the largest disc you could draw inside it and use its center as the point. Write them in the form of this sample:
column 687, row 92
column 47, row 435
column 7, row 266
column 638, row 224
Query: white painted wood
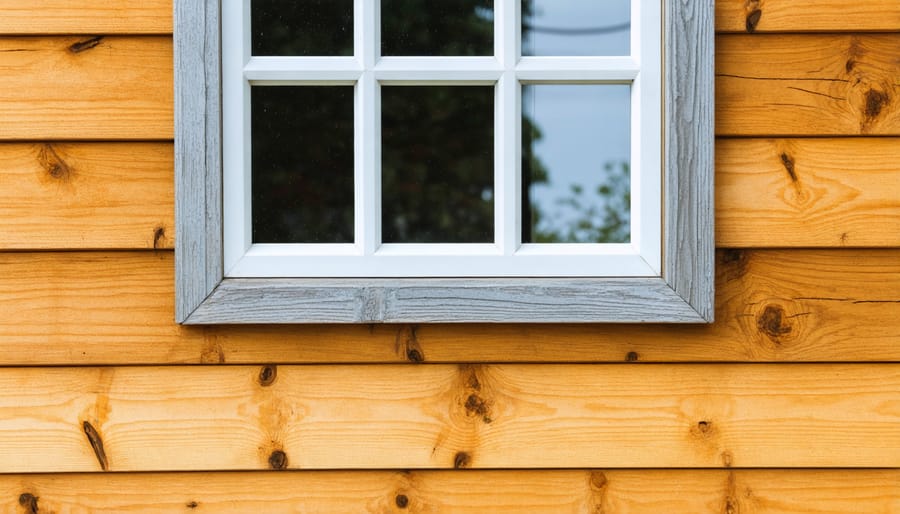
column 682, row 294
column 439, row 261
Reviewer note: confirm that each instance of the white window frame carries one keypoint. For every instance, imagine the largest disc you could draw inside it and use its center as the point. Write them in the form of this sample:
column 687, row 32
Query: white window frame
column 664, row 275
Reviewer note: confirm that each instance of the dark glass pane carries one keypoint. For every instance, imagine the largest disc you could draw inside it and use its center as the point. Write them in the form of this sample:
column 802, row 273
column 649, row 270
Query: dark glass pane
column 302, row 158
column 301, row 27
column 576, row 147
column 576, row 27
column 437, row 27
column 437, row 164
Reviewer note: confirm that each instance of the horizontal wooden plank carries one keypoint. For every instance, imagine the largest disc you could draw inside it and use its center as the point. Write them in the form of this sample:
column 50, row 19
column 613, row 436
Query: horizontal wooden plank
column 808, row 192
column 473, row 491
column 807, row 15
column 104, row 195
column 85, row 17
column 793, row 85
column 449, row 416
column 86, row 88
column 773, row 305
column 767, row 85
column 95, row 195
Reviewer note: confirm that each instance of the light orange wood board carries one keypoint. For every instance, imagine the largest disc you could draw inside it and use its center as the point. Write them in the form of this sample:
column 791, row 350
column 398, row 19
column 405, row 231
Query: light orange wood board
column 807, row 16
column 793, row 84
column 469, row 492
column 85, row 17
column 824, row 192
column 97, row 195
column 86, row 88
column 449, row 416
column 784, row 305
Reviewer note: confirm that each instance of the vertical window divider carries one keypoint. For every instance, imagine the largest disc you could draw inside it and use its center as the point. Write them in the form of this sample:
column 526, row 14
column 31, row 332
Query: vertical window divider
column 367, row 205
column 507, row 168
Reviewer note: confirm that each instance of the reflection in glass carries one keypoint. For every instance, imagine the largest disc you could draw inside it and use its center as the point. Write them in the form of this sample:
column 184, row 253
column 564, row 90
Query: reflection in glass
column 437, row 164
column 302, row 164
column 301, row 27
column 437, row 27
column 576, row 27
column 576, row 148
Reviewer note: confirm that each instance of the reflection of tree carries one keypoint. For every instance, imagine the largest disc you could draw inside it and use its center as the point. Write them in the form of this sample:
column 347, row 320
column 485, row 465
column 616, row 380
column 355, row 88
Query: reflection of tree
column 437, row 162
column 580, row 218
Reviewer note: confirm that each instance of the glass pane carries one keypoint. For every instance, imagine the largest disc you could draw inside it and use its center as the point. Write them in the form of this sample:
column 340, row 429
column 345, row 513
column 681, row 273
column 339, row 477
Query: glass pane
column 302, row 158
column 437, row 27
column 437, row 164
column 302, row 27
column 576, row 147
column 576, row 27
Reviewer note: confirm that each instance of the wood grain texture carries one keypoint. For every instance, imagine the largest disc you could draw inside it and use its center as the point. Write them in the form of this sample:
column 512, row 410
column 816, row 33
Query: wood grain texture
column 85, row 88
column 118, row 195
column 797, row 85
column 198, row 153
column 85, row 17
column 808, row 192
column 449, row 416
column 779, row 306
column 93, row 195
column 436, row 300
column 470, row 492
column 689, row 143
column 807, row 16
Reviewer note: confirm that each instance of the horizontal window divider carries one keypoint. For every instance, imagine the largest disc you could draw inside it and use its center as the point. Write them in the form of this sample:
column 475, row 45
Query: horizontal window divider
column 578, row 63
column 303, row 63
column 407, row 64
column 576, row 76
column 448, row 77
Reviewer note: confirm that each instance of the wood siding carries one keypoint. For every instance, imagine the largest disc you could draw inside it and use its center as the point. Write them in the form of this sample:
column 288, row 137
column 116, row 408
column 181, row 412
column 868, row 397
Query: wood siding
column 789, row 403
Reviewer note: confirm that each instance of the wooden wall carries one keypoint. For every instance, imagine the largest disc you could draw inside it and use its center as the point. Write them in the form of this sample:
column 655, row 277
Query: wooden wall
column 790, row 403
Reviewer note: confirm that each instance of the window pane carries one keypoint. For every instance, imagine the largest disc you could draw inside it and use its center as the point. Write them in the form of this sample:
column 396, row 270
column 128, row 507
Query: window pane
column 437, row 164
column 302, row 27
column 302, row 159
column 576, row 27
column 437, row 27
column 576, row 148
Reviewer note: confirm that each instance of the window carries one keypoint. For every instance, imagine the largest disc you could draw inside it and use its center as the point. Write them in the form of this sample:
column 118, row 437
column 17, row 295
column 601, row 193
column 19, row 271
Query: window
column 455, row 161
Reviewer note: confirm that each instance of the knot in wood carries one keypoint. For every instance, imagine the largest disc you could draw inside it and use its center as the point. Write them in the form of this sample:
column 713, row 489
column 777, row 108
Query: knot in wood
column 278, row 460
column 402, row 501
column 598, row 481
column 476, row 406
column 632, row 357
column 29, row 502
column 462, row 460
column 267, row 375
column 876, row 101
column 773, row 322
column 752, row 21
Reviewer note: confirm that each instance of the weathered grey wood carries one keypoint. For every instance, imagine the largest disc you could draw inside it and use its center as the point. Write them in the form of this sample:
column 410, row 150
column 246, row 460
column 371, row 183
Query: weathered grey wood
column 683, row 294
column 519, row 300
column 198, row 161
column 689, row 64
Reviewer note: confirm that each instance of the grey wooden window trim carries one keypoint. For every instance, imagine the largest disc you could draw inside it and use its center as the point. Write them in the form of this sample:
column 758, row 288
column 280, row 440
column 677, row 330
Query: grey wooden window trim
column 684, row 293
